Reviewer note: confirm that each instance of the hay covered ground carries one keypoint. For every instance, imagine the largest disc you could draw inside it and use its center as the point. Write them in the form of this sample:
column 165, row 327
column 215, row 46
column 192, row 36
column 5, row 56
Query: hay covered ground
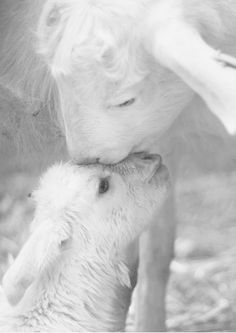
column 202, row 288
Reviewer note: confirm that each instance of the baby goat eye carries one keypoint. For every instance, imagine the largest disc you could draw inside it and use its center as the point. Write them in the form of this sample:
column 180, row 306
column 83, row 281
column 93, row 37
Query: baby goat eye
column 127, row 103
column 103, row 186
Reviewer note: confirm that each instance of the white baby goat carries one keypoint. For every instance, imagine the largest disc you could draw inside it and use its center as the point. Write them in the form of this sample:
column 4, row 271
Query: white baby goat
column 72, row 274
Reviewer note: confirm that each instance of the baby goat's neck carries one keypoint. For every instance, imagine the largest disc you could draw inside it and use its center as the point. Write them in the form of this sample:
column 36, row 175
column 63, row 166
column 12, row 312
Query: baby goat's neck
column 87, row 293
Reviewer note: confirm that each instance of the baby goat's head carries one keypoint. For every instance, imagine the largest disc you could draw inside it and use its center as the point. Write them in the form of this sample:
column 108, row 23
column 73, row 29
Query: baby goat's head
column 87, row 210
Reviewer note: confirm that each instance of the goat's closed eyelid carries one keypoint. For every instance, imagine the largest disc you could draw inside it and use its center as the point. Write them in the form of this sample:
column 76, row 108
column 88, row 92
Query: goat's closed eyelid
column 127, row 103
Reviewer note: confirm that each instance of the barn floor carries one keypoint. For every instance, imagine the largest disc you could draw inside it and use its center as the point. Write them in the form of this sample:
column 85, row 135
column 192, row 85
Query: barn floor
column 202, row 288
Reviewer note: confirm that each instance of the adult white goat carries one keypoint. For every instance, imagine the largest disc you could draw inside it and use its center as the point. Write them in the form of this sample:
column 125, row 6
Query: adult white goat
column 73, row 273
column 121, row 76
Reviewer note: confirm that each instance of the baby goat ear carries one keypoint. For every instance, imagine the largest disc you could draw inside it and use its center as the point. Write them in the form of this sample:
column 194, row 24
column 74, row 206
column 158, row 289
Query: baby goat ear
column 42, row 249
column 148, row 163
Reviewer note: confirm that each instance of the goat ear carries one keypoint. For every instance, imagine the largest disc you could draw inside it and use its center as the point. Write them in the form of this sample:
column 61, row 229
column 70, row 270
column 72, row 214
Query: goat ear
column 148, row 163
column 50, row 32
column 42, row 248
column 179, row 46
column 58, row 32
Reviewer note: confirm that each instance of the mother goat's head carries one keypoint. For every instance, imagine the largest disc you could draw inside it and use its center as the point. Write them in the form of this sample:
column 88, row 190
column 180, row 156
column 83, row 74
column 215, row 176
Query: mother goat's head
column 113, row 99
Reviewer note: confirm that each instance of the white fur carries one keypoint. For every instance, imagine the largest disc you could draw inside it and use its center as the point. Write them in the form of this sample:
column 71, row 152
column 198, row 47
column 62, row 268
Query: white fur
column 72, row 273
column 179, row 45
column 85, row 77
column 81, row 43
column 106, row 45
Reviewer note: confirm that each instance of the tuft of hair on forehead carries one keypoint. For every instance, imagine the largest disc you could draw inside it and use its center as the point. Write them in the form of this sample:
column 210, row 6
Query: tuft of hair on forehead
column 59, row 186
column 73, row 32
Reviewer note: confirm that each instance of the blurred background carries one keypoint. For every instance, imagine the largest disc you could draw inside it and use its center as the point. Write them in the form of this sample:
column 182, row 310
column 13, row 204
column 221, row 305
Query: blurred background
column 202, row 288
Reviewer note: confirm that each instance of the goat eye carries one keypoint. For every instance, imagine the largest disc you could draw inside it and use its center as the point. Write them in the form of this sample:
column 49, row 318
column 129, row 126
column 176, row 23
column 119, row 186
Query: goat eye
column 103, row 186
column 127, row 103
